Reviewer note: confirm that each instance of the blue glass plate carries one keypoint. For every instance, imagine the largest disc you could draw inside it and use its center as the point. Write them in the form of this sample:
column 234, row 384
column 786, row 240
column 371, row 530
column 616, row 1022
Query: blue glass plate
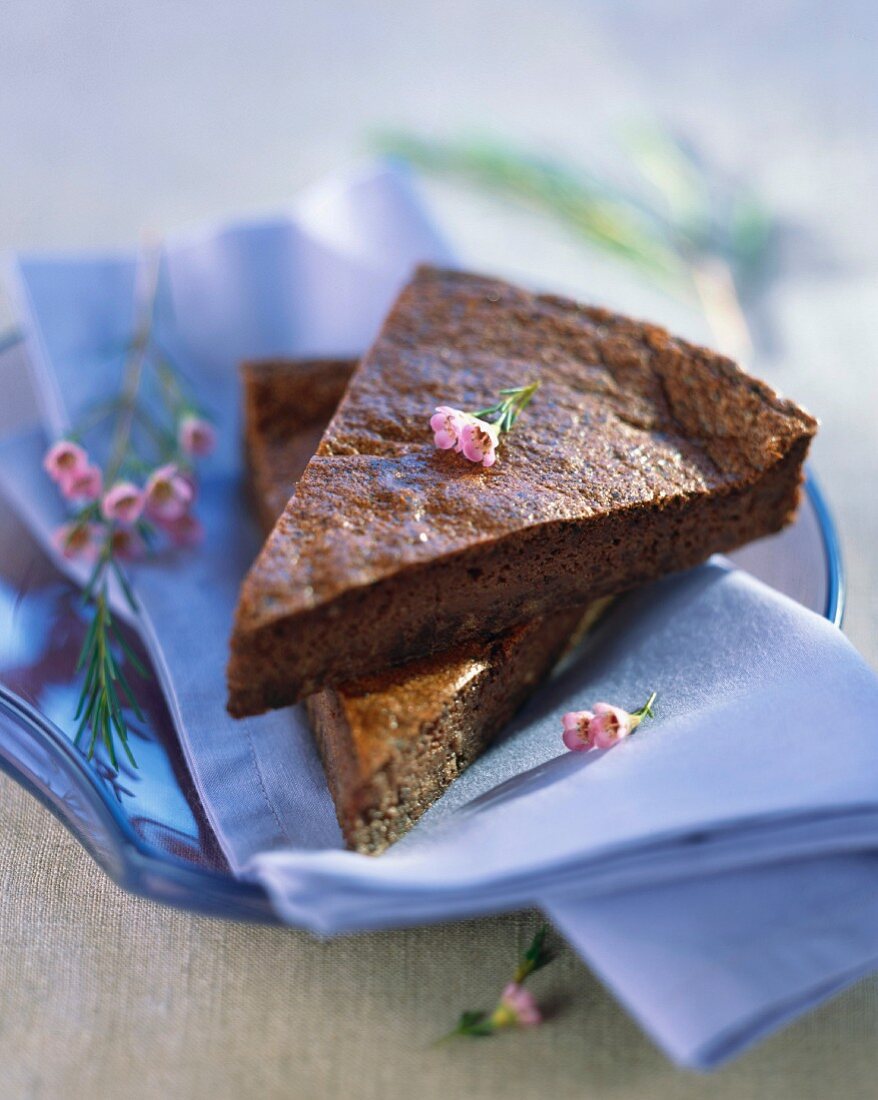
column 145, row 827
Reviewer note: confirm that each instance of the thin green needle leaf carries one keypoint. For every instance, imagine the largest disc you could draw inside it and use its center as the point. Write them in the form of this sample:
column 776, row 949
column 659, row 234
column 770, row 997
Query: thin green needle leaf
column 79, row 732
column 107, row 734
column 116, row 713
column 89, row 752
column 123, row 582
column 88, row 714
column 86, row 645
column 131, row 656
column 114, row 707
column 123, row 739
column 88, row 721
column 86, row 688
column 536, row 956
column 91, row 584
column 129, row 694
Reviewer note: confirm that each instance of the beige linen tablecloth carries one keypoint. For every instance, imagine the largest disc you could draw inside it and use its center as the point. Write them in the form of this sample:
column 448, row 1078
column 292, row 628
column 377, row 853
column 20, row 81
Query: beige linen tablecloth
column 107, row 996
column 117, row 117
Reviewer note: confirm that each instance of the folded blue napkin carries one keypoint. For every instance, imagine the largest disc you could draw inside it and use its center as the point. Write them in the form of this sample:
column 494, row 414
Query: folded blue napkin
column 673, row 862
column 711, row 965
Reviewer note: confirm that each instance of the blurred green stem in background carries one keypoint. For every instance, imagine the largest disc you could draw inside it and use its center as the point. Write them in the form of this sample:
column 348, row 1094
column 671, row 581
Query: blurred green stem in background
column 689, row 231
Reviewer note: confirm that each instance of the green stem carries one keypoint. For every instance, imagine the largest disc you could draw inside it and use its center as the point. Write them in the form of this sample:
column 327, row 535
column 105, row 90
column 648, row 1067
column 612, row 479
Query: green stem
column 94, row 416
column 163, row 439
column 520, row 399
column 482, row 413
column 514, row 402
column 134, row 364
column 646, row 710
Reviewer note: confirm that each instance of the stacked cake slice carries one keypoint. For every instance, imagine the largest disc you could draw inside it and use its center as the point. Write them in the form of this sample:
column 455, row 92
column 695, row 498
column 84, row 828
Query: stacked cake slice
column 391, row 742
column 639, row 455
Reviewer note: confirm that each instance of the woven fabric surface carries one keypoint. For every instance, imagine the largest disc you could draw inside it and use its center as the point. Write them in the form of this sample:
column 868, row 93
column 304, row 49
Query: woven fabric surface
column 106, row 995
column 217, row 107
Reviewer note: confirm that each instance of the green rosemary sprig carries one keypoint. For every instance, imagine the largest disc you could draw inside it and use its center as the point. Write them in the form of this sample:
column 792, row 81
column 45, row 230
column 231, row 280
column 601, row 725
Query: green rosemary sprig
column 111, row 526
column 686, row 229
column 588, row 207
column 99, row 709
column 105, row 688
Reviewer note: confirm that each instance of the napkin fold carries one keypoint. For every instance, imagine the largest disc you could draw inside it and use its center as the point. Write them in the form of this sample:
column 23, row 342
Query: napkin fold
column 668, row 860
column 736, row 770
column 712, row 965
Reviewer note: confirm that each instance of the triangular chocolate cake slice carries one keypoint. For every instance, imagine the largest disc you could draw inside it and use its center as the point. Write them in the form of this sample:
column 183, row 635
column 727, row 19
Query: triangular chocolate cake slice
column 639, row 455
column 391, row 743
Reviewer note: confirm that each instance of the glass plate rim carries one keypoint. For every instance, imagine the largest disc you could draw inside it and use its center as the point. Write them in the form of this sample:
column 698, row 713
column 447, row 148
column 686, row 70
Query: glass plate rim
column 133, row 864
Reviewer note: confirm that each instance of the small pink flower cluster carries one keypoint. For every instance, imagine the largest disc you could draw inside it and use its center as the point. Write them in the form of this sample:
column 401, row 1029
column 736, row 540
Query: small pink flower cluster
column 597, row 729
column 516, row 1006
column 475, row 439
column 165, row 499
column 602, row 727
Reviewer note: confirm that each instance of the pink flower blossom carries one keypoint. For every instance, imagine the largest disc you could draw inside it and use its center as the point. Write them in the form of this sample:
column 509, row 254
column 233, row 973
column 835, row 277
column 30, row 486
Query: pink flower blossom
column 168, row 494
column 85, row 484
column 123, row 503
column 447, row 424
column 479, row 441
column 127, row 544
column 185, row 531
column 577, row 735
column 76, row 541
column 196, row 435
column 518, row 1007
column 610, row 725
column 64, row 459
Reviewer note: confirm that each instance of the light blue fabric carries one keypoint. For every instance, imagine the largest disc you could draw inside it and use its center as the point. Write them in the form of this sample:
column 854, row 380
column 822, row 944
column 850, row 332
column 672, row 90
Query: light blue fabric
column 735, row 800
column 711, row 965
column 736, row 770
